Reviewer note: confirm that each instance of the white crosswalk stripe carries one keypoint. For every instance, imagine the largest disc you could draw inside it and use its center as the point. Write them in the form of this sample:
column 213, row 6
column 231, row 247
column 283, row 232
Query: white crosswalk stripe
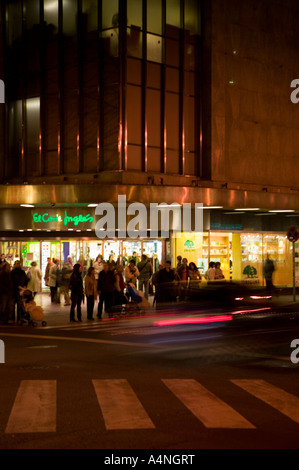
column 120, row 406
column 34, row 409
column 35, row 405
column 206, row 406
column 279, row 399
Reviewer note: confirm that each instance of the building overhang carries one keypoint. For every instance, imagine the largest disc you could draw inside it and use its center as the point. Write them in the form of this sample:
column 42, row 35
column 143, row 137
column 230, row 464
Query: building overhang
column 61, row 195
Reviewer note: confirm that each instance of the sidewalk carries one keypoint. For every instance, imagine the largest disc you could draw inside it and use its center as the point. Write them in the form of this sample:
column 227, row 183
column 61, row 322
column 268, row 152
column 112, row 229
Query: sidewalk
column 59, row 314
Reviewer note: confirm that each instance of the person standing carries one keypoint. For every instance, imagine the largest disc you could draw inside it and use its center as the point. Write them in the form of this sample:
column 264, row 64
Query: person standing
column 145, row 273
column 182, row 272
column 91, row 291
column 120, row 285
column 183, row 278
column 210, row 273
column 53, row 281
column 178, row 262
column 19, row 279
column 76, row 287
column 69, row 262
column 106, row 283
column 98, row 266
column 268, row 270
column 35, row 279
column 131, row 273
column 47, row 271
column 194, row 276
column 219, row 276
column 65, row 276
column 166, row 291
column 6, row 294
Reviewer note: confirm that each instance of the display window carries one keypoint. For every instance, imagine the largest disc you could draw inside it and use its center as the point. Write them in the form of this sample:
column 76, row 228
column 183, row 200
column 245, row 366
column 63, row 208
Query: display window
column 129, row 249
column 153, row 250
column 254, row 249
column 12, row 251
column 31, row 252
column 112, row 250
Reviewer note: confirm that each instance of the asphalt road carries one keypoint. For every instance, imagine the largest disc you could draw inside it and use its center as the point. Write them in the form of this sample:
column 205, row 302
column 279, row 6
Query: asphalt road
column 138, row 384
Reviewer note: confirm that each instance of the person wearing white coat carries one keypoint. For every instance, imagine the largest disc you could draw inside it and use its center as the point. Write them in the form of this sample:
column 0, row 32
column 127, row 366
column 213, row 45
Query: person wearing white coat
column 35, row 279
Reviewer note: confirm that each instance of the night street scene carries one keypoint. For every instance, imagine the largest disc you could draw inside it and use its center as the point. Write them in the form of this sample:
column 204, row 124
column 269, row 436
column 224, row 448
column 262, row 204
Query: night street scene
column 149, row 231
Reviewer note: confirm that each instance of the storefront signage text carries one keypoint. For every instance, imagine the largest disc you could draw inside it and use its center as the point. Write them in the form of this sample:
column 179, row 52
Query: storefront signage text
column 66, row 219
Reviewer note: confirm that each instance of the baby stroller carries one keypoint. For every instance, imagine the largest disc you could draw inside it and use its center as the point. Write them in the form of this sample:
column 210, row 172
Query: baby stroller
column 30, row 312
column 136, row 303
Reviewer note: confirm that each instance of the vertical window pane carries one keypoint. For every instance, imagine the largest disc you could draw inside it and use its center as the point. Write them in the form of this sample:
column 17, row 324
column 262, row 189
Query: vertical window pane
column 154, row 16
column 32, row 134
column 90, row 11
column 134, row 114
column 154, row 48
column 31, row 13
column 33, row 125
column 70, row 136
column 172, row 120
column 110, row 42
column 110, row 14
column 173, row 13
column 13, row 22
column 90, row 129
column 51, row 13
column 15, row 137
column 192, row 17
column 134, row 42
column 69, row 17
column 153, row 117
column 134, row 13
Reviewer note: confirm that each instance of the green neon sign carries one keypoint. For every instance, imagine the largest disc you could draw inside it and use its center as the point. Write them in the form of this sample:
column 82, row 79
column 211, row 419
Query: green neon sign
column 65, row 219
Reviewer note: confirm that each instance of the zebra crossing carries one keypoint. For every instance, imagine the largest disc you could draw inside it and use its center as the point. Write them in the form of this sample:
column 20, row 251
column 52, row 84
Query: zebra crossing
column 35, row 409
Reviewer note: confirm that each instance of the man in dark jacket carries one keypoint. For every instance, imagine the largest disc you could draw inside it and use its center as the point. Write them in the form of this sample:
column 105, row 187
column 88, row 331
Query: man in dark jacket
column 106, row 286
column 19, row 279
column 166, row 289
column 145, row 273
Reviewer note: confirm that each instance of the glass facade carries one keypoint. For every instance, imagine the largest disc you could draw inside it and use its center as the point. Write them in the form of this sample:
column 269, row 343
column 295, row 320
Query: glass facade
column 241, row 254
column 102, row 85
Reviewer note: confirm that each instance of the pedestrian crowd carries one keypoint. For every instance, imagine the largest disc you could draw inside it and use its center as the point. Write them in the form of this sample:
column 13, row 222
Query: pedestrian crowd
column 110, row 284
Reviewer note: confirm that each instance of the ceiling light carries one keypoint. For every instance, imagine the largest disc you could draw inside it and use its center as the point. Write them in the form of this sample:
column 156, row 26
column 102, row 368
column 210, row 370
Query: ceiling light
column 92, row 205
column 284, row 210
column 26, row 205
column 248, row 209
